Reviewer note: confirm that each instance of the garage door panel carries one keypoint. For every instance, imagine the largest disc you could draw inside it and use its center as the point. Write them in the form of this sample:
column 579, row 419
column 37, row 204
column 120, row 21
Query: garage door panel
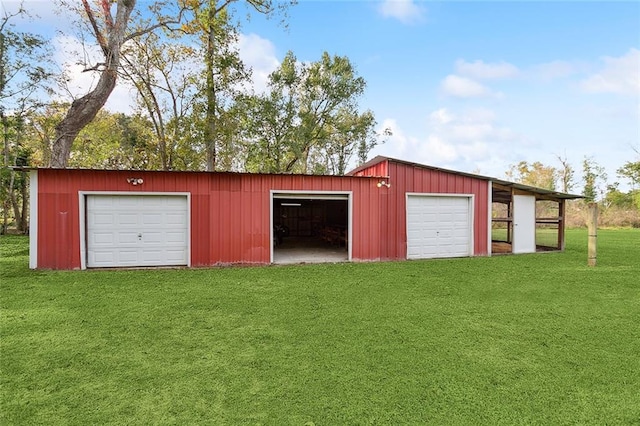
column 102, row 257
column 153, row 237
column 130, row 238
column 175, row 218
column 128, row 256
column 438, row 226
column 136, row 230
column 176, row 255
column 461, row 217
column 103, row 238
column 445, row 217
column 154, row 202
column 151, row 219
column 103, row 203
column 174, row 203
column 125, row 202
column 444, row 235
column 124, row 219
column 176, row 237
column 461, row 233
column 152, row 255
column 103, row 218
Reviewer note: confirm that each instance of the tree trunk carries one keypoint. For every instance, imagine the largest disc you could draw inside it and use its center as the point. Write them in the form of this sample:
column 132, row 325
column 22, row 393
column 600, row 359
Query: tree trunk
column 14, row 201
column 210, row 125
column 5, row 217
column 84, row 109
column 81, row 113
column 25, row 204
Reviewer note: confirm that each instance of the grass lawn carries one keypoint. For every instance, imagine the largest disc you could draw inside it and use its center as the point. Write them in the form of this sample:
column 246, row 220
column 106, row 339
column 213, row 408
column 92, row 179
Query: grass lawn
column 527, row 339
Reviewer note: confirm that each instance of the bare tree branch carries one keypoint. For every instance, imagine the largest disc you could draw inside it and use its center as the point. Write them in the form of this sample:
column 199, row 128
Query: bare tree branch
column 96, row 29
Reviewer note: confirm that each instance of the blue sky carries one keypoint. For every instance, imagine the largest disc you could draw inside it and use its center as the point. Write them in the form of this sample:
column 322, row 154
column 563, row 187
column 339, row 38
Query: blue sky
column 475, row 86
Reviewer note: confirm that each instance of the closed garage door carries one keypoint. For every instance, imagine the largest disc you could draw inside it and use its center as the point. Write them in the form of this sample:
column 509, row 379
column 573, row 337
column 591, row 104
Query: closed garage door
column 136, row 230
column 438, row 226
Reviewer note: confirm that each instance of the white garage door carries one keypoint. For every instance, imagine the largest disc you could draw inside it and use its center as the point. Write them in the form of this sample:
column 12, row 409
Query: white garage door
column 438, row 226
column 136, row 230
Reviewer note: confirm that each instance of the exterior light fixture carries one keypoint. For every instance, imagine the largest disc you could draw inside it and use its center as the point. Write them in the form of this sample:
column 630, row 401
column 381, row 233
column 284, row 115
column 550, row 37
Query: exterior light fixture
column 383, row 183
column 135, row 181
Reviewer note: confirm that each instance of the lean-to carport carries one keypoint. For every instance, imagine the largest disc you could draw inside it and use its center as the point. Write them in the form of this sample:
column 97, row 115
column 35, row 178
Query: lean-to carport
column 527, row 219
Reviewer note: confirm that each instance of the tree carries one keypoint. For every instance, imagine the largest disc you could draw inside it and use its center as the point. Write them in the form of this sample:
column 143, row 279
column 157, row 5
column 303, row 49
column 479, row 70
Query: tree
column 24, row 65
column 24, row 61
column 271, row 119
column 111, row 32
column 309, row 121
column 41, row 128
column 116, row 141
column 354, row 135
column 565, row 174
column 594, row 176
column 223, row 68
column 617, row 198
column 161, row 69
column 631, row 171
column 534, row 174
column 13, row 183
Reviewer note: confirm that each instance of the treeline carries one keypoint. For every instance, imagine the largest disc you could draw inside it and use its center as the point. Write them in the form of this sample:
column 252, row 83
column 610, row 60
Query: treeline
column 195, row 106
column 617, row 208
column 194, row 103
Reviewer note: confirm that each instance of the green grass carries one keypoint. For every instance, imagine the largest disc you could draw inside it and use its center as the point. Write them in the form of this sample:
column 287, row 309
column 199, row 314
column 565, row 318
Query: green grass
column 528, row 339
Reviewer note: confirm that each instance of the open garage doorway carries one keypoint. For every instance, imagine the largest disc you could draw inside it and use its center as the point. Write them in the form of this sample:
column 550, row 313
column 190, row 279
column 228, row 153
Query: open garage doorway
column 310, row 227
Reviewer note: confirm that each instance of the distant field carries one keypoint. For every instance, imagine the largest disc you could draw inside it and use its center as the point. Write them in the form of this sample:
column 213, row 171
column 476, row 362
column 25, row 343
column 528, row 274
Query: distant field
column 527, row 339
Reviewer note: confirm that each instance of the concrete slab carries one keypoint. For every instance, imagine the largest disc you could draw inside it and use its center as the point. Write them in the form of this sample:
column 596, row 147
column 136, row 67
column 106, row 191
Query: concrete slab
column 308, row 250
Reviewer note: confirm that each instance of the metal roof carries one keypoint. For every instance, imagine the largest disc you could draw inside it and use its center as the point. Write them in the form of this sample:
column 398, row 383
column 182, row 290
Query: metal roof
column 532, row 189
column 539, row 191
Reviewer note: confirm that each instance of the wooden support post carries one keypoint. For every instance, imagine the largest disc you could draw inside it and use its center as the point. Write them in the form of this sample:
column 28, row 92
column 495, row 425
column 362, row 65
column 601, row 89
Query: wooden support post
column 561, row 223
column 592, row 226
column 510, row 222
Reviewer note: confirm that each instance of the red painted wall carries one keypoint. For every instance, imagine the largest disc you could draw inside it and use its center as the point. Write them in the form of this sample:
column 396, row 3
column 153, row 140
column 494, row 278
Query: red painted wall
column 408, row 177
column 230, row 211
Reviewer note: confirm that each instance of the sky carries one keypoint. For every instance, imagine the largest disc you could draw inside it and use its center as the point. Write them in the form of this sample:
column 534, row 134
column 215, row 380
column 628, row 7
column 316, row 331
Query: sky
column 474, row 86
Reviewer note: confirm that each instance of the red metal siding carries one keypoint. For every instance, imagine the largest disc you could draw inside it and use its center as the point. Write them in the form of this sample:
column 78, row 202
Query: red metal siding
column 229, row 212
column 230, row 220
column 380, row 169
column 407, row 178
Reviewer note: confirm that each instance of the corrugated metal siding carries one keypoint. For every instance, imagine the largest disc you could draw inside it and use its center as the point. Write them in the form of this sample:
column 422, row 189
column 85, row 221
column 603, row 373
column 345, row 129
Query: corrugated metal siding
column 380, row 169
column 405, row 178
column 229, row 212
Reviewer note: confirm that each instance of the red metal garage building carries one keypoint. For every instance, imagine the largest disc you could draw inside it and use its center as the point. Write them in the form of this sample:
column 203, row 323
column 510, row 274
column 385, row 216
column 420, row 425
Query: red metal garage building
column 387, row 209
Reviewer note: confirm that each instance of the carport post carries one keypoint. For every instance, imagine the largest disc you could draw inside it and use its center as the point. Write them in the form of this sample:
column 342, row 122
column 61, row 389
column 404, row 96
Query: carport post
column 592, row 226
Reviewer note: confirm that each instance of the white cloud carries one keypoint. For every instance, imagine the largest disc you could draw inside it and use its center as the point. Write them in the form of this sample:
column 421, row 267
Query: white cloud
column 398, row 145
column 441, row 116
column 486, row 71
column 406, row 11
column 467, row 140
column 462, row 87
column 438, row 151
column 619, row 75
column 474, row 126
column 259, row 54
column 553, row 70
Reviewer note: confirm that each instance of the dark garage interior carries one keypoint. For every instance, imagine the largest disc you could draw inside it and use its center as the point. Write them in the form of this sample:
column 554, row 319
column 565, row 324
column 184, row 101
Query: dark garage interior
column 310, row 230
